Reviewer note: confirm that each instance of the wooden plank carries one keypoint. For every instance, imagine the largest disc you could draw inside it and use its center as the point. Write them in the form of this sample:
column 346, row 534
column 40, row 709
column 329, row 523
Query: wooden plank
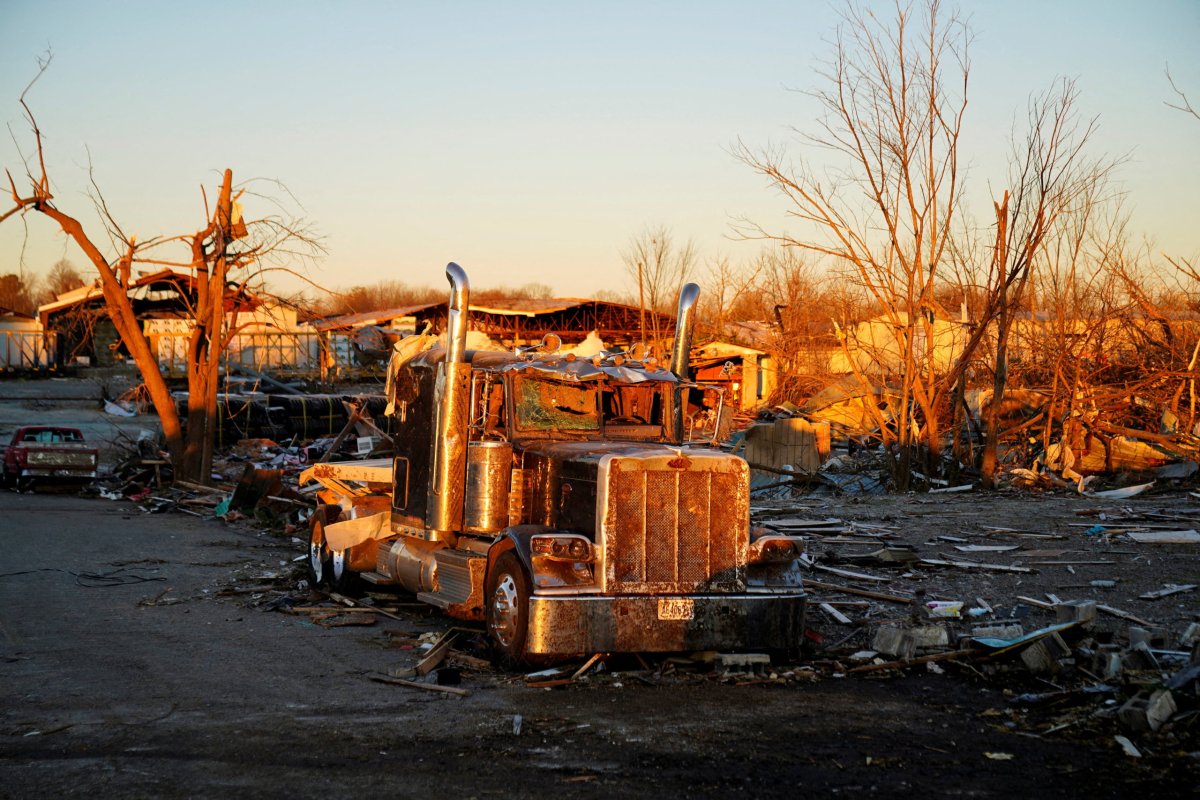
column 937, row 562
column 339, row 598
column 429, row 687
column 437, row 654
column 329, row 610
column 1116, row 612
column 951, row 655
column 857, row 576
column 833, row 587
column 588, row 665
column 1165, row 537
column 985, row 548
column 1167, row 591
column 837, row 615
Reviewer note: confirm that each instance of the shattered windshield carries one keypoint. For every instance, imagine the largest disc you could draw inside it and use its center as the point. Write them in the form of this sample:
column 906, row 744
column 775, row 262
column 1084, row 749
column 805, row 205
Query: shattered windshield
column 556, row 406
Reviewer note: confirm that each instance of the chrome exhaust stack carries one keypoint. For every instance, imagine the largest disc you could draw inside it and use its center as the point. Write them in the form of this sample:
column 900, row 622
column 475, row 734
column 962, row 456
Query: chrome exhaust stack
column 456, row 319
column 685, row 323
column 452, row 396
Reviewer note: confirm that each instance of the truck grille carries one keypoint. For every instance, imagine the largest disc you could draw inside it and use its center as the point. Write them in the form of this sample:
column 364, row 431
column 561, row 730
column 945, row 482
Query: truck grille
column 671, row 529
column 58, row 458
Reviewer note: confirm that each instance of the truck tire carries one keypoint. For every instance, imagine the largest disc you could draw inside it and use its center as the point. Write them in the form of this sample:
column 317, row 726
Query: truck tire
column 342, row 579
column 319, row 557
column 507, row 610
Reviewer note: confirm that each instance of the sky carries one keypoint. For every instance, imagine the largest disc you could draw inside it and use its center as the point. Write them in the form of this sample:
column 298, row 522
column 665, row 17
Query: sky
column 530, row 141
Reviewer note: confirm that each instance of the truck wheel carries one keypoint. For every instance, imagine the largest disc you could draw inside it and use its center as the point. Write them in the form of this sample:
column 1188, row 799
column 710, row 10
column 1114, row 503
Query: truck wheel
column 341, row 578
column 507, row 610
column 318, row 551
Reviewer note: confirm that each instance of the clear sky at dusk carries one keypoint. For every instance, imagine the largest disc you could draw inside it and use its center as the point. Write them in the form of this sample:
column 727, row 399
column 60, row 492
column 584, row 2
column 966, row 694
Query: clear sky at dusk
column 530, row 141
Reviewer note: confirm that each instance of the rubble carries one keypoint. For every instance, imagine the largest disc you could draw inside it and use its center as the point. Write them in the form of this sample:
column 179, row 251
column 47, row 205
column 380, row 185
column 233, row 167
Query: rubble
column 931, row 584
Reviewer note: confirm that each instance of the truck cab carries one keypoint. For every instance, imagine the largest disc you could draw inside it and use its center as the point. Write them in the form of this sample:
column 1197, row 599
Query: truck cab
column 552, row 497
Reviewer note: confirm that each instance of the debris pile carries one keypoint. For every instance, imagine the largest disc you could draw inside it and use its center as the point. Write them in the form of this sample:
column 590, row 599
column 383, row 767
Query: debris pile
column 255, row 476
column 887, row 598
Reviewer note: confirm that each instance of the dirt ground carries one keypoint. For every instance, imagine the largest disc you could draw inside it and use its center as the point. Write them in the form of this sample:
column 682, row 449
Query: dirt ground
column 135, row 663
column 162, row 655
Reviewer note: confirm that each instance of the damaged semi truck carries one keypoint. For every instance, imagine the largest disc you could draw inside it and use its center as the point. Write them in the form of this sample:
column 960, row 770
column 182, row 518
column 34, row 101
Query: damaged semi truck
column 553, row 498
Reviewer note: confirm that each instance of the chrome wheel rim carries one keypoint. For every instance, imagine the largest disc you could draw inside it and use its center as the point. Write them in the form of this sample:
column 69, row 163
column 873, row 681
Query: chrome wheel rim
column 316, row 560
column 504, row 610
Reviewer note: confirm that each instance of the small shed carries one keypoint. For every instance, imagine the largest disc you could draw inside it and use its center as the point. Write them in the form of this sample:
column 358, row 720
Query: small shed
column 24, row 344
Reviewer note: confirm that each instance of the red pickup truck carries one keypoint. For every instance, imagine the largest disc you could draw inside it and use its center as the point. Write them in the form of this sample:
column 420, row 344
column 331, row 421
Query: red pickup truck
column 48, row 454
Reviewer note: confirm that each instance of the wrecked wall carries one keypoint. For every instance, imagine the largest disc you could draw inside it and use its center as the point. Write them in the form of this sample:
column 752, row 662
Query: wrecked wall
column 796, row 442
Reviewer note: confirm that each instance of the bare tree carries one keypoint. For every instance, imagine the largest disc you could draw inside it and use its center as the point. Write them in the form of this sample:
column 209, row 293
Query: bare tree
column 222, row 257
column 17, row 294
column 658, row 267
column 804, row 309
column 727, row 288
column 62, row 278
column 1181, row 103
column 893, row 111
column 374, row 297
column 1052, row 180
column 1073, row 295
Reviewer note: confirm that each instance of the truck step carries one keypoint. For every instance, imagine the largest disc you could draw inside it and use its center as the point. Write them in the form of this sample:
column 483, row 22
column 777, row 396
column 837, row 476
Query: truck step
column 376, row 579
column 458, row 573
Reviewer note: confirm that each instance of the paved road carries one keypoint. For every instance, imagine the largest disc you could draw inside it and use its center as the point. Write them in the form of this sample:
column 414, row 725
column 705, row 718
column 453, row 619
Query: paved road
column 104, row 695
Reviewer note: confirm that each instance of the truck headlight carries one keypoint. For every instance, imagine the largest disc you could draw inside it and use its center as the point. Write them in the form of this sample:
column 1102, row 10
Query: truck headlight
column 562, row 547
column 562, row 559
column 776, row 549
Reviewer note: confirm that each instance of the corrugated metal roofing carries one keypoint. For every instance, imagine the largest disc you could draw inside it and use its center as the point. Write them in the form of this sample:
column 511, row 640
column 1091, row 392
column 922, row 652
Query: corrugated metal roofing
column 526, row 307
column 378, row 317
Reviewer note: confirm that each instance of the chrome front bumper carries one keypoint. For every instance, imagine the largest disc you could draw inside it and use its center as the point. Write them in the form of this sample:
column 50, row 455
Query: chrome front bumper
column 576, row 626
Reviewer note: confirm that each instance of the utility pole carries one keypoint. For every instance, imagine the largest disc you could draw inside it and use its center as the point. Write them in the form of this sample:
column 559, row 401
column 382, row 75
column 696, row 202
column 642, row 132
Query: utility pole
column 641, row 303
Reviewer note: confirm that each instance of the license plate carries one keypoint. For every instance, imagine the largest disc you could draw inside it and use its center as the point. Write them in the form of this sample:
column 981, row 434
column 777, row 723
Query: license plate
column 675, row 608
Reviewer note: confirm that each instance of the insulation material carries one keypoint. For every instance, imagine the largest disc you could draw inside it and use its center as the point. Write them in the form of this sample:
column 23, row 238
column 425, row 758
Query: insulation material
column 347, row 533
column 403, row 352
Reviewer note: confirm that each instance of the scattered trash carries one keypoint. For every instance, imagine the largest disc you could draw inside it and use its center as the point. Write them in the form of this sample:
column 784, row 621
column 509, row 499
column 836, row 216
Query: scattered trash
column 944, row 608
column 1127, row 747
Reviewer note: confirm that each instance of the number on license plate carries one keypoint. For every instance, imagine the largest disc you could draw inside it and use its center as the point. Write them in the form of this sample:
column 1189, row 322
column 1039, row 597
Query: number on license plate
column 675, row 608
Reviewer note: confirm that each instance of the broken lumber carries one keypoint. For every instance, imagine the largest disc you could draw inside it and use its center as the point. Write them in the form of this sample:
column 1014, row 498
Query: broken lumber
column 833, row 587
column 845, row 573
column 437, row 654
column 937, row 562
column 339, row 598
column 431, row 687
column 949, row 655
column 966, row 487
column 1165, row 537
column 837, row 615
column 588, row 665
column 1116, row 612
column 1167, row 591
